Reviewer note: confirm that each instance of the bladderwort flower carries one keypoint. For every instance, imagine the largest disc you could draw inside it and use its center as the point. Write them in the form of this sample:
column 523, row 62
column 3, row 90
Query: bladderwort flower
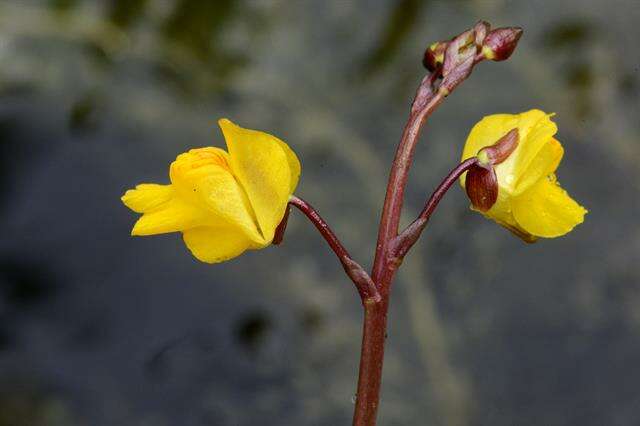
column 518, row 187
column 223, row 202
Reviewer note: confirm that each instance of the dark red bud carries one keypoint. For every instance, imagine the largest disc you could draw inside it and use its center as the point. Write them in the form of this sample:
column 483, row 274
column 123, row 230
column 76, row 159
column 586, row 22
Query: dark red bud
column 501, row 42
column 501, row 150
column 434, row 55
column 278, row 236
column 481, row 185
column 481, row 29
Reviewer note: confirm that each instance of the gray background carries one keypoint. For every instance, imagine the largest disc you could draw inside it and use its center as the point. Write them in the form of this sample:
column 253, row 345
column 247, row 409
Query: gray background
column 97, row 328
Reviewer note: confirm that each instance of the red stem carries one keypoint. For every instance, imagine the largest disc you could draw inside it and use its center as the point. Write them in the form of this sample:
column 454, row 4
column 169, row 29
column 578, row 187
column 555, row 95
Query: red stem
column 382, row 275
column 375, row 315
column 371, row 358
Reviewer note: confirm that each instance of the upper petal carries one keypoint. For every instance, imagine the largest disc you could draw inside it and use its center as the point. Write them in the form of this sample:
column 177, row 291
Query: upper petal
column 267, row 170
column 203, row 178
column 546, row 210
column 294, row 165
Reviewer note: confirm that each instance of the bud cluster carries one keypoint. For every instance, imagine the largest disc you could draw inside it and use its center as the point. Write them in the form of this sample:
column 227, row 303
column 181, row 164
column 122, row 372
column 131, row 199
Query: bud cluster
column 495, row 45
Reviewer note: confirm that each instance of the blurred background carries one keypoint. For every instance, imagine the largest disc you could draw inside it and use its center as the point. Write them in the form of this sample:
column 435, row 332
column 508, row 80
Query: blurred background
column 100, row 329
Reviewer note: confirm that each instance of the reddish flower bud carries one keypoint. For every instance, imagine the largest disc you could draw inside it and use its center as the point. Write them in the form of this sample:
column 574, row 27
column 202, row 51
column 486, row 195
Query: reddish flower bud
column 434, row 55
column 501, row 42
column 481, row 185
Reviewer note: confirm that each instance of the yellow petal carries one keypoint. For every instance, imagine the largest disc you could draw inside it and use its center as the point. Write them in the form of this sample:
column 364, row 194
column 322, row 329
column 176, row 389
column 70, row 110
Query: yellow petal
column 546, row 210
column 202, row 177
column 216, row 244
column 173, row 216
column 536, row 130
column 501, row 211
column 294, row 165
column 147, row 196
column 262, row 166
column 545, row 163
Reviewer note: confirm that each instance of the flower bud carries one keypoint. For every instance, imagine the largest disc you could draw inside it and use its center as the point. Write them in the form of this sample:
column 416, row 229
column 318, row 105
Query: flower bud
column 434, row 55
column 501, row 42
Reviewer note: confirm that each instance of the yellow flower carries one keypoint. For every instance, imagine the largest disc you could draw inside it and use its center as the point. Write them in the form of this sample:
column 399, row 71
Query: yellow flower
column 530, row 201
column 223, row 202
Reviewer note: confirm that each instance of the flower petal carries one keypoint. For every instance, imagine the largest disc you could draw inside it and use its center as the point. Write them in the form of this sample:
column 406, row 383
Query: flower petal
column 536, row 130
column 147, row 196
column 502, row 213
column 215, row 244
column 294, row 165
column 202, row 177
column 545, row 163
column 546, row 210
column 262, row 166
column 173, row 216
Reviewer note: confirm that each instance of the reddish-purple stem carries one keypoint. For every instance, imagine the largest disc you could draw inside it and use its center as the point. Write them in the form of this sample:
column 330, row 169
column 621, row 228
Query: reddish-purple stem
column 385, row 264
column 390, row 220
